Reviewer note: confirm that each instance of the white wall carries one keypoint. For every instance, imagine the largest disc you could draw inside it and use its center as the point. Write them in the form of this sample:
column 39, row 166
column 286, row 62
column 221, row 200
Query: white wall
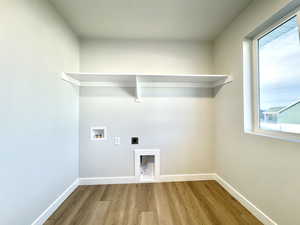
column 178, row 121
column 39, row 112
column 113, row 56
column 264, row 170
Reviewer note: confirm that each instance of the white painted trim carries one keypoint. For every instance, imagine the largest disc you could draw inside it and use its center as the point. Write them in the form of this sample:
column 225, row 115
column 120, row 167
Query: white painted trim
column 245, row 202
column 106, row 84
column 177, row 85
column 222, row 82
column 275, row 135
column 157, row 84
column 187, row 177
column 107, row 180
column 140, row 81
column 251, row 117
column 144, row 74
column 117, row 80
column 51, row 209
column 137, row 90
column 251, row 82
column 163, row 178
column 133, row 179
column 69, row 79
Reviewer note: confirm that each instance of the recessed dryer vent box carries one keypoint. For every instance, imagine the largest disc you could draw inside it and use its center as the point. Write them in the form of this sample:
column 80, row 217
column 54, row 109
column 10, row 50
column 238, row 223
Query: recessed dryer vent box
column 147, row 165
column 98, row 133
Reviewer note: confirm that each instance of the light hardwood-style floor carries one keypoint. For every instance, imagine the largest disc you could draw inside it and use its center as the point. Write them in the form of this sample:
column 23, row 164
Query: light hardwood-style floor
column 180, row 203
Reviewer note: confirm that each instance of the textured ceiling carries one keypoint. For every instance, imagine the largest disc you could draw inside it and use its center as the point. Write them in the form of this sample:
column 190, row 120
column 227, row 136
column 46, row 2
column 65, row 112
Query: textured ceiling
column 149, row 19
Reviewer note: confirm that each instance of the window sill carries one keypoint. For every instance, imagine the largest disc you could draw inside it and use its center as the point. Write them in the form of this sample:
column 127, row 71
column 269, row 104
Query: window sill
column 275, row 135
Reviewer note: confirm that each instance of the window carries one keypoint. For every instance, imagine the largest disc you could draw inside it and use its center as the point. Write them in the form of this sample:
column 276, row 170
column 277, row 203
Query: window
column 275, row 93
column 279, row 78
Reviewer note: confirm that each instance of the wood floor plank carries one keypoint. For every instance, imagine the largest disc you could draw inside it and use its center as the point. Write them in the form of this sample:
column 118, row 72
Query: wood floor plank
column 179, row 203
column 131, row 215
column 49, row 222
column 87, row 209
column 241, row 213
column 147, row 218
column 177, row 207
column 163, row 206
column 68, row 203
column 196, row 211
column 117, row 209
column 98, row 213
column 68, row 216
column 215, row 206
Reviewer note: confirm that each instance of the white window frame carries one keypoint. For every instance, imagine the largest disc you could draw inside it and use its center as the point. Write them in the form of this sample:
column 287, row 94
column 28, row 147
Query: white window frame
column 251, row 84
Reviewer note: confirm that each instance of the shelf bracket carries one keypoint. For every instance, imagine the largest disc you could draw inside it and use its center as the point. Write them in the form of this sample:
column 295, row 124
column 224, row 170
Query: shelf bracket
column 69, row 79
column 137, row 89
column 227, row 80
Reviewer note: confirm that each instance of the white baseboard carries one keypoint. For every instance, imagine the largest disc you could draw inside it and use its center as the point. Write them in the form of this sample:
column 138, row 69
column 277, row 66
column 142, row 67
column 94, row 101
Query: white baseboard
column 133, row 179
column 107, row 180
column 163, row 178
column 51, row 209
column 245, row 202
column 187, row 177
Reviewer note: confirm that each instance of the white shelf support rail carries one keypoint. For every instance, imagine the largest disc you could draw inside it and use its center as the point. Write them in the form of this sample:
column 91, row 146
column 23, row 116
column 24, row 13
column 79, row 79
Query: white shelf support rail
column 223, row 82
column 140, row 81
column 69, row 79
column 137, row 89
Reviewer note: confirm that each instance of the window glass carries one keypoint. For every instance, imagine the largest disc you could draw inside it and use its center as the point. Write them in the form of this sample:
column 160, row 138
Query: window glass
column 279, row 78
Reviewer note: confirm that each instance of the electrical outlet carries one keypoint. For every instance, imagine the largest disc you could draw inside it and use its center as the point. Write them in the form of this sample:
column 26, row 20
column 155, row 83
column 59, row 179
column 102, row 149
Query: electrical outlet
column 117, row 140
